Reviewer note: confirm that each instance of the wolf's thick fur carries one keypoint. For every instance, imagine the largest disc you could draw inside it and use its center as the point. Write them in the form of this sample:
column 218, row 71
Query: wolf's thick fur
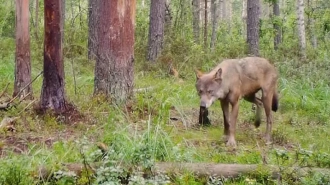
column 233, row 79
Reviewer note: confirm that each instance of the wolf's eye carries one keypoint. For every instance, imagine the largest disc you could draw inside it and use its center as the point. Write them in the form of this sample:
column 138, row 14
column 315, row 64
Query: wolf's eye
column 210, row 91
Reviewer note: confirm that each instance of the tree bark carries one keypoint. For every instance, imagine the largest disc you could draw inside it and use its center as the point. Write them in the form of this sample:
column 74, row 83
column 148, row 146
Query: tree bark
column 214, row 16
column 244, row 16
column 52, row 92
column 22, row 58
column 205, row 24
column 196, row 20
column 115, row 52
column 253, row 14
column 93, row 14
column 301, row 27
column 156, row 29
column 277, row 28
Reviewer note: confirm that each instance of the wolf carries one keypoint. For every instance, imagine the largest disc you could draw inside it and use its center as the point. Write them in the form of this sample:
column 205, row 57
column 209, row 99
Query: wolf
column 234, row 79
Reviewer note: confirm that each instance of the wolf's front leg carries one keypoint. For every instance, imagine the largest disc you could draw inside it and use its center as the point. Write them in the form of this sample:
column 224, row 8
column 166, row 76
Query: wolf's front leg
column 232, row 128
column 226, row 116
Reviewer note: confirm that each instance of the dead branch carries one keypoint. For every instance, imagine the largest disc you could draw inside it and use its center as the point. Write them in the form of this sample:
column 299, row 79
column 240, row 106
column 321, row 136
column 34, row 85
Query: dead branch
column 7, row 122
column 7, row 105
column 5, row 90
column 27, row 85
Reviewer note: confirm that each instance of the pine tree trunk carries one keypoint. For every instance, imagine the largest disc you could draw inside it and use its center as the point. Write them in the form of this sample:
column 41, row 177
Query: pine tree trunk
column 244, row 17
column 253, row 26
column 205, row 24
column 93, row 14
column 115, row 53
column 52, row 93
column 277, row 28
column 301, row 27
column 156, row 29
column 22, row 58
column 214, row 17
column 196, row 19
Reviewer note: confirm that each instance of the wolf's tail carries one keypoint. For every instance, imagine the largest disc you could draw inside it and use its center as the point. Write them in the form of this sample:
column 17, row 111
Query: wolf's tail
column 275, row 102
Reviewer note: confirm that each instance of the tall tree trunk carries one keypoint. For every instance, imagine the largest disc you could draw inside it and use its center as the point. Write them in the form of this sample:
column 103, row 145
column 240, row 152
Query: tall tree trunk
column 52, row 92
column 156, row 29
column 222, row 7
column 253, row 26
column 115, row 53
column 277, row 28
column 22, row 58
column 205, row 24
column 37, row 20
column 168, row 17
column 214, row 5
column 301, row 27
column 93, row 14
column 196, row 19
column 244, row 17
column 310, row 26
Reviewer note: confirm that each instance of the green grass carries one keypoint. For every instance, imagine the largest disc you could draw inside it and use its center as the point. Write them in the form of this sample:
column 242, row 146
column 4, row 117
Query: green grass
column 147, row 134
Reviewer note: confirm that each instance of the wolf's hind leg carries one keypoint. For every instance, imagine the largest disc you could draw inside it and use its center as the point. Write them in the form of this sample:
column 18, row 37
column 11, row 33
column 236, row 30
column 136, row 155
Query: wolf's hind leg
column 257, row 101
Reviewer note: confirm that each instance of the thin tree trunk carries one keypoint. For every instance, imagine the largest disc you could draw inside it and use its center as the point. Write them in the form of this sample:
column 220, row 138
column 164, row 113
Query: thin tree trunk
column 222, row 7
column 205, row 24
column 52, row 92
column 115, row 53
column 196, row 19
column 37, row 20
column 277, row 28
column 301, row 27
column 244, row 17
column 253, row 26
column 214, row 5
column 93, row 14
column 22, row 58
column 156, row 29
column 168, row 17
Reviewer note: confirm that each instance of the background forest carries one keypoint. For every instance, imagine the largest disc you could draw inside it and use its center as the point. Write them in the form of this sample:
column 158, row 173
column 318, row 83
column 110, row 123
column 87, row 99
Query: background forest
column 101, row 142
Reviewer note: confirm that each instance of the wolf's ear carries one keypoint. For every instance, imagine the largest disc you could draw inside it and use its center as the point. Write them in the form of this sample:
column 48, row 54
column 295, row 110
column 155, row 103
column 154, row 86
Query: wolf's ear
column 217, row 76
column 198, row 74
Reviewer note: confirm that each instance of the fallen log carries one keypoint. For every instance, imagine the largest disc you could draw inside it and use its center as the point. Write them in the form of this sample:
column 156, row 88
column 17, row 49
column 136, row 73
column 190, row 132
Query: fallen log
column 200, row 169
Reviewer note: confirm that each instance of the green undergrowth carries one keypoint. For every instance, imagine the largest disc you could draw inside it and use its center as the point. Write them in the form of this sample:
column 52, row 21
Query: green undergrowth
column 158, row 126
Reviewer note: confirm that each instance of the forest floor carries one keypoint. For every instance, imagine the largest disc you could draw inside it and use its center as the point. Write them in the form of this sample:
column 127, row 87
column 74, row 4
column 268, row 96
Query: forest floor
column 161, row 124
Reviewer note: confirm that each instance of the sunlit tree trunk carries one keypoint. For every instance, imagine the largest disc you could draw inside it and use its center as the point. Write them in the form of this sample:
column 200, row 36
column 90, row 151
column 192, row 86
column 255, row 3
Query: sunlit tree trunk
column 214, row 16
column 277, row 28
column 205, row 24
column 22, row 58
column 196, row 19
column 115, row 53
column 156, row 29
column 253, row 26
column 301, row 27
column 53, row 92
column 244, row 17
column 93, row 14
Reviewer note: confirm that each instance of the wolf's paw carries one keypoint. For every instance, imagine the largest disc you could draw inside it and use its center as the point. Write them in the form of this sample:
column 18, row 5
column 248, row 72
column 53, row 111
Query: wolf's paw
column 225, row 138
column 231, row 142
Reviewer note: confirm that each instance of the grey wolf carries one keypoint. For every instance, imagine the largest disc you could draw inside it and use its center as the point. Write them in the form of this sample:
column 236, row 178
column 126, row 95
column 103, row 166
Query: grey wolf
column 234, row 79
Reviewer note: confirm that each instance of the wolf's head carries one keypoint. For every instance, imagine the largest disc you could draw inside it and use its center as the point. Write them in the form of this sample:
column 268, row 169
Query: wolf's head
column 209, row 88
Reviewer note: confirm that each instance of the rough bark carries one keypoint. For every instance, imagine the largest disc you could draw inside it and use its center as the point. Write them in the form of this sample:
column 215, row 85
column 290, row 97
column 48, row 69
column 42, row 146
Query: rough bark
column 52, row 92
column 196, row 19
column 93, row 14
column 37, row 20
column 301, row 27
column 214, row 16
column 277, row 28
column 244, row 16
column 115, row 53
column 22, row 58
column 205, row 24
column 253, row 26
column 156, row 29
